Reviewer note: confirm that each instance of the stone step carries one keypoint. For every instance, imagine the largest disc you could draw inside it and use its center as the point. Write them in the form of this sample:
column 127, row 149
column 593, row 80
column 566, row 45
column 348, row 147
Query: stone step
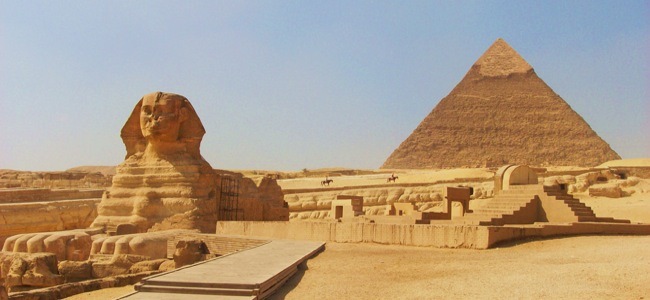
column 505, row 206
column 522, row 194
column 513, row 198
column 577, row 205
column 472, row 222
column 587, row 218
column 509, row 201
column 475, row 216
column 583, row 213
column 516, row 196
column 563, row 197
column 492, row 211
column 149, row 288
column 525, row 187
column 582, row 208
column 612, row 220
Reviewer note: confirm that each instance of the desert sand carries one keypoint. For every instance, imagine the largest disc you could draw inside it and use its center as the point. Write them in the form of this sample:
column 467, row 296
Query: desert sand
column 581, row 267
column 569, row 268
column 585, row 267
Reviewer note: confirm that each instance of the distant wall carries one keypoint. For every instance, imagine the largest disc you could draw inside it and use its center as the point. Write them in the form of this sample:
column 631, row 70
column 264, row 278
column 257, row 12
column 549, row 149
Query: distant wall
column 46, row 216
column 441, row 236
column 641, row 172
column 25, row 179
column 258, row 199
column 35, row 195
column 317, row 203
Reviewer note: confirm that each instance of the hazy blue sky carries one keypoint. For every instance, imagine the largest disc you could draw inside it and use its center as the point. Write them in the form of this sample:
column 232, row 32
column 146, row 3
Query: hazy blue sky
column 299, row 84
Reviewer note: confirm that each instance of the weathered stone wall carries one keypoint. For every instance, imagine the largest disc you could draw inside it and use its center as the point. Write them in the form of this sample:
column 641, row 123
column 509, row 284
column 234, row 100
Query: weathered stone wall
column 57, row 180
column 43, row 217
column 602, row 183
column 260, row 198
column 35, row 195
column 399, row 234
column 641, row 172
column 440, row 236
column 427, row 197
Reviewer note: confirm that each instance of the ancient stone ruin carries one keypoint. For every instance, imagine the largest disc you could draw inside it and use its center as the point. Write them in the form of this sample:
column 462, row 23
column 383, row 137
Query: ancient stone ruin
column 163, row 190
column 500, row 113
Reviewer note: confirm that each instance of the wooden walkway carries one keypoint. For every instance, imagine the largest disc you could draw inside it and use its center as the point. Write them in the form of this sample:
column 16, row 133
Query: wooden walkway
column 250, row 274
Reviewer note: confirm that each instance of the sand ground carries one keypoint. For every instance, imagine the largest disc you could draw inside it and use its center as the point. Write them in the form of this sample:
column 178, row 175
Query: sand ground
column 585, row 267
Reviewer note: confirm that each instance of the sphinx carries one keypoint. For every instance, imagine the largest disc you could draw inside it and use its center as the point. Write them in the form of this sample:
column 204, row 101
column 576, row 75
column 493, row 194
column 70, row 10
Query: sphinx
column 162, row 190
column 164, row 182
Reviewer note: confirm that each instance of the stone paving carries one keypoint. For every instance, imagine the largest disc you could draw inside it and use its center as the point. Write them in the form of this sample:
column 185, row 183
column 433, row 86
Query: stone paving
column 254, row 273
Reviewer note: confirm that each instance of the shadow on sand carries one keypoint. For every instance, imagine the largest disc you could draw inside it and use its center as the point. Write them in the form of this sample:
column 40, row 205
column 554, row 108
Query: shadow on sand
column 293, row 282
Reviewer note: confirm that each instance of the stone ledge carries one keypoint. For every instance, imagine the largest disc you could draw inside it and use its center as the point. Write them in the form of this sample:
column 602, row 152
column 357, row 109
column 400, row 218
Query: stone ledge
column 73, row 288
column 439, row 235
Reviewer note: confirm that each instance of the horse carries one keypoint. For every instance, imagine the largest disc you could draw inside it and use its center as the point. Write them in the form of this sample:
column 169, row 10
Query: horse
column 392, row 178
column 326, row 181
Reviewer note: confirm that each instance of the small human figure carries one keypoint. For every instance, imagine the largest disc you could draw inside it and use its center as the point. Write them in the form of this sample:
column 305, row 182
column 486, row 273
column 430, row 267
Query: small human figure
column 392, row 178
column 327, row 181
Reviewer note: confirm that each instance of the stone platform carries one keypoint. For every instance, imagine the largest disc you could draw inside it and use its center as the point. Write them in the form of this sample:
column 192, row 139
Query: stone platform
column 254, row 273
column 447, row 235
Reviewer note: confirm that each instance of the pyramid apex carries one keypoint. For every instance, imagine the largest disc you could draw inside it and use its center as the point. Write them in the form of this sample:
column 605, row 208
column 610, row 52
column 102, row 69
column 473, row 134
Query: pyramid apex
column 501, row 60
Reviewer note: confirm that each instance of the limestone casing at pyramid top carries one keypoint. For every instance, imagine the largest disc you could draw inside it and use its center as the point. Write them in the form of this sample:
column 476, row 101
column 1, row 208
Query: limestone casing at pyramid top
column 501, row 60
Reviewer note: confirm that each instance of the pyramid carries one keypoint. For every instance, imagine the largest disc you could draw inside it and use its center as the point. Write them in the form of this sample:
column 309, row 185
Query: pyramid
column 500, row 113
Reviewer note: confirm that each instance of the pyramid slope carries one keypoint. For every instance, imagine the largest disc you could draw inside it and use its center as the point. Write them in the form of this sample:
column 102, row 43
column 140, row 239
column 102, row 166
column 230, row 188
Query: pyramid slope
column 501, row 112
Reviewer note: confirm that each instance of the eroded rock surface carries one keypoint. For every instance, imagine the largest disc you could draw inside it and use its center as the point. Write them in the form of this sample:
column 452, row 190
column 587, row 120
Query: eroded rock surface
column 189, row 252
column 29, row 269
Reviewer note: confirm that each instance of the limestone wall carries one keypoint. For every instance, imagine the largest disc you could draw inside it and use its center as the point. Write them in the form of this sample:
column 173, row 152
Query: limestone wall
column 41, row 194
column 316, row 204
column 60, row 180
column 440, row 236
column 443, row 236
column 602, row 183
column 43, row 217
column 261, row 198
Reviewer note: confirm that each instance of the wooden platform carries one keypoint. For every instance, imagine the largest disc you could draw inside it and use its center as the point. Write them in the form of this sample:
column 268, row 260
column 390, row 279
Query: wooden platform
column 250, row 274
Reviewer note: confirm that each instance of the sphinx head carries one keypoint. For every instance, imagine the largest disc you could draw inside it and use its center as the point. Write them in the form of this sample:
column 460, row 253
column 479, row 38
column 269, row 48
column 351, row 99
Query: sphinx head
column 161, row 116
column 163, row 119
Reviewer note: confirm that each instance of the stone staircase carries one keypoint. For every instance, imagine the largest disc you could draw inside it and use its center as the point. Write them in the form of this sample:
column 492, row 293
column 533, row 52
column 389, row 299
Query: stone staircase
column 521, row 204
column 509, row 207
column 583, row 212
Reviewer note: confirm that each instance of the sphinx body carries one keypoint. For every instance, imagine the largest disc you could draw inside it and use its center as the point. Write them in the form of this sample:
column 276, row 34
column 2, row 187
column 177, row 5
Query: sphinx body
column 164, row 182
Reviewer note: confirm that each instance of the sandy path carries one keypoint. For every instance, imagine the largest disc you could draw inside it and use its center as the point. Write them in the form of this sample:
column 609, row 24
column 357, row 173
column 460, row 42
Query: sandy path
column 600, row 267
column 106, row 294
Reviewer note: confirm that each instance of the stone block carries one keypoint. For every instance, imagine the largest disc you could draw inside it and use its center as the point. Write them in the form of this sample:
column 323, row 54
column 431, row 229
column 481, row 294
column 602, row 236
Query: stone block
column 76, row 270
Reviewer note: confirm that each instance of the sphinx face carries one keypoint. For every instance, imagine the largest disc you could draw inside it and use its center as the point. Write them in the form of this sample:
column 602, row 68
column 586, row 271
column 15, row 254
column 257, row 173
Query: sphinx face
column 161, row 117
